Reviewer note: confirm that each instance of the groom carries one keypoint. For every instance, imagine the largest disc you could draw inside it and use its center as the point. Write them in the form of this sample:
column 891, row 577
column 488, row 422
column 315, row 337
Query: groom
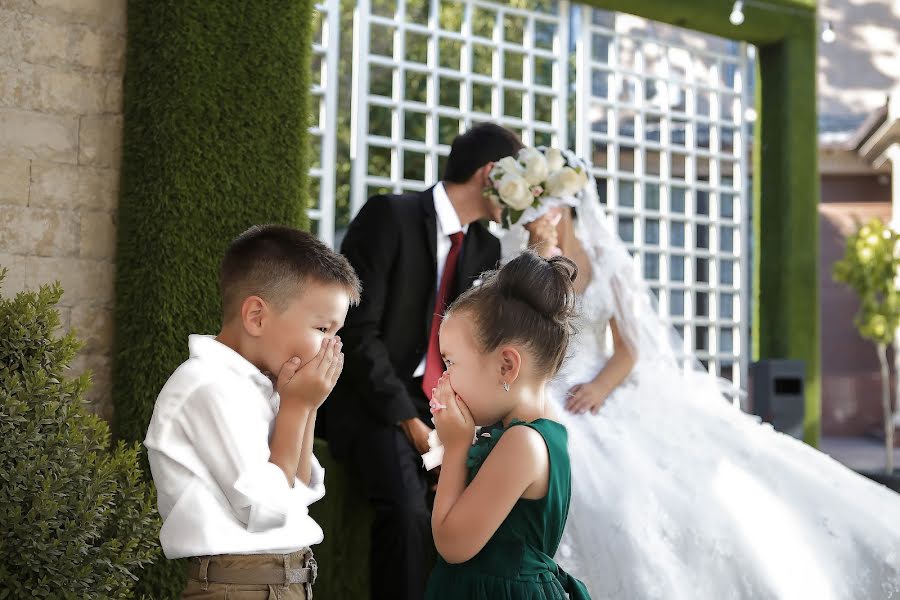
column 414, row 253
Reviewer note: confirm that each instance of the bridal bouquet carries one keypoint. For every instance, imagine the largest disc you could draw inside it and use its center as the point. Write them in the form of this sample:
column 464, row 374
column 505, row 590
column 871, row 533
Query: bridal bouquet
column 530, row 179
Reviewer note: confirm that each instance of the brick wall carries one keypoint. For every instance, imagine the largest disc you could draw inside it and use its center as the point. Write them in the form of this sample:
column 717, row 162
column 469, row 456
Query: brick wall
column 61, row 65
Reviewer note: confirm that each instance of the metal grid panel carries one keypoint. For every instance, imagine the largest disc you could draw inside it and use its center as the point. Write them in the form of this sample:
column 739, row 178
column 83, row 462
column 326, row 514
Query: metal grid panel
column 662, row 122
column 427, row 70
column 326, row 53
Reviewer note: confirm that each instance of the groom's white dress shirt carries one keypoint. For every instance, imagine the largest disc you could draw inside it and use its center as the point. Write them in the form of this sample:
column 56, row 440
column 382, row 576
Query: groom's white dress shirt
column 447, row 224
column 208, row 445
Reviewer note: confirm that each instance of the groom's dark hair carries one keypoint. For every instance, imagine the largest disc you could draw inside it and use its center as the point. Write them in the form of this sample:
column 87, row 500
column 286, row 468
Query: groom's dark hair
column 483, row 143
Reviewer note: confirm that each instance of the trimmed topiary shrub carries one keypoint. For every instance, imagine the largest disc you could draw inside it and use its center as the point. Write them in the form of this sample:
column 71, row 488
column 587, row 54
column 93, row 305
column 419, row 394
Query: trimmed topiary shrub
column 215, row 140
column 76, row 520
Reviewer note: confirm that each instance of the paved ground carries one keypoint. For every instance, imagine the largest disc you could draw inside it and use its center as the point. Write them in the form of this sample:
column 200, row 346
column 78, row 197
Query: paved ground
column 858, row 453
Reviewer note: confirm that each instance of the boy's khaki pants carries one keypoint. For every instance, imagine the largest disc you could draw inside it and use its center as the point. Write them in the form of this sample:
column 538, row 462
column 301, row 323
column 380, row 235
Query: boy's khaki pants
column 251, row 577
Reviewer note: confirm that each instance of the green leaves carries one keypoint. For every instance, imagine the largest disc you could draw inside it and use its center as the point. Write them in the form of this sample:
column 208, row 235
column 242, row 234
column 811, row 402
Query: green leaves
column 510, row 216
column 870, row 268
column 76, row 520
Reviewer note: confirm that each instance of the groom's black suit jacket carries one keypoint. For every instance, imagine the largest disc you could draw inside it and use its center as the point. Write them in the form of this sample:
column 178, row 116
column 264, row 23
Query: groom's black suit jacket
column 392, row 245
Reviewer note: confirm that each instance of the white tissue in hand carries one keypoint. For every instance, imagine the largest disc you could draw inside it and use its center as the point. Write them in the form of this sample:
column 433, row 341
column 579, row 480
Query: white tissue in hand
column 433, row 440
column 435, row 456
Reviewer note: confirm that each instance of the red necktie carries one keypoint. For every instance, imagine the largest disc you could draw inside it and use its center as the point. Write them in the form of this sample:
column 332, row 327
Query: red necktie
column 434, row 364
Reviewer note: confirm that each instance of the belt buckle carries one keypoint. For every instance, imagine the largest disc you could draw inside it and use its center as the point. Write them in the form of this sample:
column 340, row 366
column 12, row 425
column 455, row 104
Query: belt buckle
column 313, row 567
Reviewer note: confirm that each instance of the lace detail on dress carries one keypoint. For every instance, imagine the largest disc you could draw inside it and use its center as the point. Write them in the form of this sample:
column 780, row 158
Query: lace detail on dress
column 594, row 303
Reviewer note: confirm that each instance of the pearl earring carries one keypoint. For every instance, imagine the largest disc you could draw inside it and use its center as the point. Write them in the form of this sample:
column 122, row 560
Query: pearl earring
column 505, row 386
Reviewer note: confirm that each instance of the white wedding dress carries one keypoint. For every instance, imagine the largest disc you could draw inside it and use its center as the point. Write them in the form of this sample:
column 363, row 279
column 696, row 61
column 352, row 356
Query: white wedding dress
column 678, row 495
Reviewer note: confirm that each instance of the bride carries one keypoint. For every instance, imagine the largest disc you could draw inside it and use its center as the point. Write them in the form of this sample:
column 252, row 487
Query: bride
column 676, row 493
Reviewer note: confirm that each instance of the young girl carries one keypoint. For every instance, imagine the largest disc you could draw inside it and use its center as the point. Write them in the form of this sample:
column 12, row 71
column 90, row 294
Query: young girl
column 502, row 503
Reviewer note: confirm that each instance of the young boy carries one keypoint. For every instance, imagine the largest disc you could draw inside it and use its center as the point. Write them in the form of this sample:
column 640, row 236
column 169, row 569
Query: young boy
column 230, row 441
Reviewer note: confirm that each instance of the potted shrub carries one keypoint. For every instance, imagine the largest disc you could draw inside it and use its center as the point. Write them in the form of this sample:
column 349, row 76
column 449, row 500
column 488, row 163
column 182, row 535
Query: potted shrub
column 870, row 268
column 76, row 519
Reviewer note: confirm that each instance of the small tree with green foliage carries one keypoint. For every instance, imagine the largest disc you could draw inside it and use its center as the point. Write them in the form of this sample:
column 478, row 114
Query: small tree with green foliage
column 870, row 268
column 76, row 520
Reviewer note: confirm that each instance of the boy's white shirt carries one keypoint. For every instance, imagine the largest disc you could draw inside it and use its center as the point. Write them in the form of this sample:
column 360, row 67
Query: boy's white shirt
column 208, row 446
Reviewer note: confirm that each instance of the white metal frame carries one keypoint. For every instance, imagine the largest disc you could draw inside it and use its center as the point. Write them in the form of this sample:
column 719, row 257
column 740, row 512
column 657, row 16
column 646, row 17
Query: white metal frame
column 655, row 228
column 326, row 54
column 433, row 148
column 662, row 236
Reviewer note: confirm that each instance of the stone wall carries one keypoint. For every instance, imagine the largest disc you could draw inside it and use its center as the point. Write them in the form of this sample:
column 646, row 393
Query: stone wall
column 61, row 65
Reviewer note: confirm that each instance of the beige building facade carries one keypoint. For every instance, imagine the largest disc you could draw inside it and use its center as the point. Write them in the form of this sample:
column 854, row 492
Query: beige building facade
column 61, row 67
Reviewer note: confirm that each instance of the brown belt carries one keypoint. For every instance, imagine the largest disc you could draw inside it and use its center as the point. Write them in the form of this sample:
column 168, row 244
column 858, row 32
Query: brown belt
column 254, row 576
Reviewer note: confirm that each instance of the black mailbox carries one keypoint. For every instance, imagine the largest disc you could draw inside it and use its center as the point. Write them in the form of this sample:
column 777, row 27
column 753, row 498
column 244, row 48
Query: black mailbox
column 777, row 392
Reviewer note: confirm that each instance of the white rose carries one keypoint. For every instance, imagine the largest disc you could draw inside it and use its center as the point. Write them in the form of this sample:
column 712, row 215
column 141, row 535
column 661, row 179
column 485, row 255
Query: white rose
column 535, row 164
column 555, row 160
column 565, row 182
column 510, row 165
column 514, row 192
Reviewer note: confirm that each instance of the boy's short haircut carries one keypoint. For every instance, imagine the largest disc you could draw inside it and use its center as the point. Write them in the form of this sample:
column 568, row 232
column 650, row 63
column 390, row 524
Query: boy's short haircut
column 274, row 262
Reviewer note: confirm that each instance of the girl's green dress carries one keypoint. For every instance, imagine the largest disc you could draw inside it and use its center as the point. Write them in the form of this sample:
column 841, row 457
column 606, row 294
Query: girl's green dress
column 517, row 563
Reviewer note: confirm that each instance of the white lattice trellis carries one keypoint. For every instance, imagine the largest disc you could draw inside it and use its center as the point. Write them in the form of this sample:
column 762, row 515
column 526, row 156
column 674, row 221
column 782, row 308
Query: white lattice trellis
column 662, row 122
column 425, row 71
column 326, row 54
column 659, row 112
